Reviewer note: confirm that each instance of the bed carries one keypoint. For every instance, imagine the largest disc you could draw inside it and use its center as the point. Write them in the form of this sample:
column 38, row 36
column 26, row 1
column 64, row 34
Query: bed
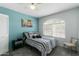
column 43, row 44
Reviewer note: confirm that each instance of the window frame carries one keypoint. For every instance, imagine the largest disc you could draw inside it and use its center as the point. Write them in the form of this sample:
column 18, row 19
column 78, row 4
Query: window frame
column 52, row 31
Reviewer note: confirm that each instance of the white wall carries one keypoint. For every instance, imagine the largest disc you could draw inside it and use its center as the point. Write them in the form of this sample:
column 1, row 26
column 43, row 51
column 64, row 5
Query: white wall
column 71, row 18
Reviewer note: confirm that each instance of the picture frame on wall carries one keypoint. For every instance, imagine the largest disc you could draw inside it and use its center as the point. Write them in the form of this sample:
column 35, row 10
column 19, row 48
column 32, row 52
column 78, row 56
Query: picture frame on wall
column 26, row 23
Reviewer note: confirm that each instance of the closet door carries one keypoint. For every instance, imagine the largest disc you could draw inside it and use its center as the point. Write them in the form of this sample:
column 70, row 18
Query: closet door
column 4, row 34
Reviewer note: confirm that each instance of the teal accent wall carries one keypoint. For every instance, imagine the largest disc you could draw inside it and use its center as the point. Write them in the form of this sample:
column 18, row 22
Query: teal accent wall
column 15, row 28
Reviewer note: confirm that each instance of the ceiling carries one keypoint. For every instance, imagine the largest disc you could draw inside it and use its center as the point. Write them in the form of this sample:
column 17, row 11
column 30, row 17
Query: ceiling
column 42, row 10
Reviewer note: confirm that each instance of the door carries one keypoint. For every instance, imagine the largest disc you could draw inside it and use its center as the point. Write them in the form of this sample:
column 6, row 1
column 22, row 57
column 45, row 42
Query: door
column 4, row 33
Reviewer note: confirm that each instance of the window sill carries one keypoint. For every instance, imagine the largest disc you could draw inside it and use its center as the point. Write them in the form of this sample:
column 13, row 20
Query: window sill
column 54, row 37
column 59, row 38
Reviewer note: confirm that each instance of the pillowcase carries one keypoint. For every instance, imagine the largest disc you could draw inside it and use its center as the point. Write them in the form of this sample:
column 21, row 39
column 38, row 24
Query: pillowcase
column 30, row 35
column 33, row 36
column 38, row 36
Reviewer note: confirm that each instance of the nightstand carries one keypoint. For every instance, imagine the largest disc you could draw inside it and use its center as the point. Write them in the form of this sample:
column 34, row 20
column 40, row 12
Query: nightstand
column 17, row 43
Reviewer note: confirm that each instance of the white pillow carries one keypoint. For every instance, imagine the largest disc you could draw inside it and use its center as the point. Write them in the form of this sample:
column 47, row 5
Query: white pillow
column 31, row 34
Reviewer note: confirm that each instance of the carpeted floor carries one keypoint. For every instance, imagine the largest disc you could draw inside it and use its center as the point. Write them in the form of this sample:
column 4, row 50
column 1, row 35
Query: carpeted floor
column 30, row 51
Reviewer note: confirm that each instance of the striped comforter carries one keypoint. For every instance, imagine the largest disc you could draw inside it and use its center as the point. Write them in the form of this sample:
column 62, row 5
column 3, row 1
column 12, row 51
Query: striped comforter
column 44, row 45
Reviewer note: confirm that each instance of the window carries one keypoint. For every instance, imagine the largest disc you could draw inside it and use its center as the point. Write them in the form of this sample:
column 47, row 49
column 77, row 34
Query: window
column 55, row 28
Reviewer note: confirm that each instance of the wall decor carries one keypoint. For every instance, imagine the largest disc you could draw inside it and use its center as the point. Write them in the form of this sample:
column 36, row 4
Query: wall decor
column 26, row 23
